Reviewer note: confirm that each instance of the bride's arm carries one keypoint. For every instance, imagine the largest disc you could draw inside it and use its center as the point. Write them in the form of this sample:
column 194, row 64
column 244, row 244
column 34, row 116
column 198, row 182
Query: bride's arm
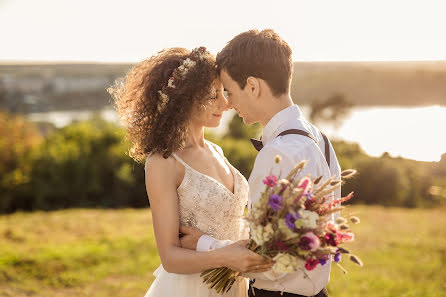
column 207, row 243
column 161, row 185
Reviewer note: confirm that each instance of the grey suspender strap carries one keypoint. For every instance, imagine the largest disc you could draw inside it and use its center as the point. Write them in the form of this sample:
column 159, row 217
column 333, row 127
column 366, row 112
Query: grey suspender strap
column 327, row 149
column 305, row 133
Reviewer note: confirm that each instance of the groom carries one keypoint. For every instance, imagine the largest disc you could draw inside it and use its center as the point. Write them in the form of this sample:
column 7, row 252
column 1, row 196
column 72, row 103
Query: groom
column 255, row 70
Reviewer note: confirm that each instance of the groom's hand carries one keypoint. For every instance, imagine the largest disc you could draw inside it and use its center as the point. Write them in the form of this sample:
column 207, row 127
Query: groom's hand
column 190, row 237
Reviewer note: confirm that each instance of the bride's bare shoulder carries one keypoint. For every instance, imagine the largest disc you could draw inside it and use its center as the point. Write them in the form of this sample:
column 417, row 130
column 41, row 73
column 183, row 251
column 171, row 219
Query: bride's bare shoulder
column 157, row 165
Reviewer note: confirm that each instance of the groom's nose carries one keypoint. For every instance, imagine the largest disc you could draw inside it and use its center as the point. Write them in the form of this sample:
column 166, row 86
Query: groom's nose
column 226, row 103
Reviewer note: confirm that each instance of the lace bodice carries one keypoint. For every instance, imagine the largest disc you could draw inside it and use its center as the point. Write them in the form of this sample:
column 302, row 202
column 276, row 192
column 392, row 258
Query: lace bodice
column 208, row 205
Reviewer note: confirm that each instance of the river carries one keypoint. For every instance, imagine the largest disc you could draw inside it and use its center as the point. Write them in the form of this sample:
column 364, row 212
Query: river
column 411, row 132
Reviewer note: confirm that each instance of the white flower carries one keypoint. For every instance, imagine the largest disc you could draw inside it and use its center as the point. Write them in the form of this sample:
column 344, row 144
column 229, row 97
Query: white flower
column 170, row 83
column 189, row 63
column 261, row 234
column 163, row 101
column 285, row 263
column 268, row 232
column 308, row 219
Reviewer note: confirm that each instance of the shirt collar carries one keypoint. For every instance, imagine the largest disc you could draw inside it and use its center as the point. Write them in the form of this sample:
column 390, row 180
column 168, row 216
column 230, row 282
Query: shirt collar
column 272, row 128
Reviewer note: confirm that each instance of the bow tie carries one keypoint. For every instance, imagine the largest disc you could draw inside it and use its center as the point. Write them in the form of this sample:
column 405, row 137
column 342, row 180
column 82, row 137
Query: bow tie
column 258, row 145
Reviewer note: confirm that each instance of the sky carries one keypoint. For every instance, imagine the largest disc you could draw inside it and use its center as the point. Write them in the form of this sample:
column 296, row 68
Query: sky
column 131, row 30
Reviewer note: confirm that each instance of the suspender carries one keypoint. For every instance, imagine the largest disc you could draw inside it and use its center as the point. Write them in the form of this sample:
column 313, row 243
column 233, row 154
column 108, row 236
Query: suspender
column 305, row 133
column 258, row 145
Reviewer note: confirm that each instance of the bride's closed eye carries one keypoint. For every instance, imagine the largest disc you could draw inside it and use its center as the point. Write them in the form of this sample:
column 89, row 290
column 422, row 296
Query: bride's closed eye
column 214, row 97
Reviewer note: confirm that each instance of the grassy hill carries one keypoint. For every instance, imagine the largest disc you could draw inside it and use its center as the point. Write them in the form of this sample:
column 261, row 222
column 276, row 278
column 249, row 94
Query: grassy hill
column 100, row 253
column 37, row 87
column 371, row 83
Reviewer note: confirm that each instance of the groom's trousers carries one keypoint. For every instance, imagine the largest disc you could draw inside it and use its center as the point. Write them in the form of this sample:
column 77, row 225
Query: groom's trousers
column 265, row 293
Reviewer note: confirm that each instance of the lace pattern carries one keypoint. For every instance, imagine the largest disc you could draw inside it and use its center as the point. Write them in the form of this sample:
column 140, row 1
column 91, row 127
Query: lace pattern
column 208, row 205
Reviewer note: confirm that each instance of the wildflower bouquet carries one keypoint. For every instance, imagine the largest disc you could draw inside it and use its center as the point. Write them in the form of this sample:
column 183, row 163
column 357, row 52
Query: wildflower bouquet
column 292, row 225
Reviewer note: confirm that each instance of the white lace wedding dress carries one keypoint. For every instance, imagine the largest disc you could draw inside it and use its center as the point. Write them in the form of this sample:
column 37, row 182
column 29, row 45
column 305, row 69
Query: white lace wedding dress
column 208, row 205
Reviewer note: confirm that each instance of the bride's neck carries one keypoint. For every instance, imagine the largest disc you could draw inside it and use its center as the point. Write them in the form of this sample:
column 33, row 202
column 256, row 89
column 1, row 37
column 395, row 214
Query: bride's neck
column 195, row 137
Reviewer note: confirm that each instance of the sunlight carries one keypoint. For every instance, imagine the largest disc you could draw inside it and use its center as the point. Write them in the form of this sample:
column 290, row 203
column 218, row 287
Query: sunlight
column 414, row 133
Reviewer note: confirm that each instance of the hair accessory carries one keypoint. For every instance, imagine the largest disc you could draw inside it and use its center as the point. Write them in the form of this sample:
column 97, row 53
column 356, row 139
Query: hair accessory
column 179, row 74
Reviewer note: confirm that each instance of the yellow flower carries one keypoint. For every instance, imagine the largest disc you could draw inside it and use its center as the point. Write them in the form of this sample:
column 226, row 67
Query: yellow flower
column 285, row 230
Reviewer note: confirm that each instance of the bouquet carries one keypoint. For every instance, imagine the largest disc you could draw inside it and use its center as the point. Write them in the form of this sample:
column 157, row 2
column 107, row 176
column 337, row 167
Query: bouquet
column 292, row 225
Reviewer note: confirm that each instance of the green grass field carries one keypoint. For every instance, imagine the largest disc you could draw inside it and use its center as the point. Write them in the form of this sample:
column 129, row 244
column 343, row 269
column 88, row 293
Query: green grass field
column 97, row 253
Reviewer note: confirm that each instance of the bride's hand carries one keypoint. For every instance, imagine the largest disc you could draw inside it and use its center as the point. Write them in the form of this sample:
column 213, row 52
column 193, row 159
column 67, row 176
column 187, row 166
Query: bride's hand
column 190, row 237
column 239, row 258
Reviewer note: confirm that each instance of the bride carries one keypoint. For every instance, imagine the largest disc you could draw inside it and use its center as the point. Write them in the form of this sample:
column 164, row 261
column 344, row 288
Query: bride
column 164, row 103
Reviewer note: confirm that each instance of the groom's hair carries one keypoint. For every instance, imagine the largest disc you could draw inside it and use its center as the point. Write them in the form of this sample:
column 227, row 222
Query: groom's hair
column 263, row 54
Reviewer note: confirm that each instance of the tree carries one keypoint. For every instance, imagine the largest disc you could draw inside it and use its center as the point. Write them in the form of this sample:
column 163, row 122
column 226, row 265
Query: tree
column 18, row 139
column 333, row 110
column 238, row 130
column 2, row 94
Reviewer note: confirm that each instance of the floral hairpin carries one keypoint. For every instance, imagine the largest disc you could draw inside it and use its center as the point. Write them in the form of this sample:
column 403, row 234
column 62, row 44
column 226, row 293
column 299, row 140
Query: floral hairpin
column 178, row 75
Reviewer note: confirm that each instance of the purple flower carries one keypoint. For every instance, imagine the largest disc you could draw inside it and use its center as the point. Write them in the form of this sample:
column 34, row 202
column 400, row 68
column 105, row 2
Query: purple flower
column 322, row 261
column 337, row 257
column 290, row 219
column 308, row 195
column 275, row 201
column 270, row 181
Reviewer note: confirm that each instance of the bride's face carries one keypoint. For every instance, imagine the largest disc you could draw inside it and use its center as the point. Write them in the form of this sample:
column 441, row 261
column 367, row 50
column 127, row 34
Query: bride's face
column 209, row 115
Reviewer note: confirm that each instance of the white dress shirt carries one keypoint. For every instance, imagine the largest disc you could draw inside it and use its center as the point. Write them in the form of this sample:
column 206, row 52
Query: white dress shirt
column 293, row 149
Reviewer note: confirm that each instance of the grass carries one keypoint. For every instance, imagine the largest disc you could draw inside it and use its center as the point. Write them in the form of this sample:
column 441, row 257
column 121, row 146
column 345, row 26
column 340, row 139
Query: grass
column 84, row 252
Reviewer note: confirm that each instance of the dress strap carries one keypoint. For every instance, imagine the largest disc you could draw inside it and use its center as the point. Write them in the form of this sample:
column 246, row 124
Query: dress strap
column 180, row 160
column 215, row 148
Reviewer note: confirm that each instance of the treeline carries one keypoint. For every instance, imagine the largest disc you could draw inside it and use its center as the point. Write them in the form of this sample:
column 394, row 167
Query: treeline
column 81, row 165
column 85, row 165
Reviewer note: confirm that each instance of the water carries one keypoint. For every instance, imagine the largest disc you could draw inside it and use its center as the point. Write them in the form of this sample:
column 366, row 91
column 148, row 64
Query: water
column 414, row 133
column 64, row 118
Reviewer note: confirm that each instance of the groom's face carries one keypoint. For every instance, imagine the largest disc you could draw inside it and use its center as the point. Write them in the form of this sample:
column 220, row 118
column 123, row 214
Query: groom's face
column 239, row 99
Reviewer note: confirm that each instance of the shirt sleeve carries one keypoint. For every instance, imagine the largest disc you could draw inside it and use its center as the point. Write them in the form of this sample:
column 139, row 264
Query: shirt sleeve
column 207, row 243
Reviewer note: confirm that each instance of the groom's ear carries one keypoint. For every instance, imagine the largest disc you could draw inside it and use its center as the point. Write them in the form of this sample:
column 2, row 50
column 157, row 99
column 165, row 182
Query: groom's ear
column 253, row 86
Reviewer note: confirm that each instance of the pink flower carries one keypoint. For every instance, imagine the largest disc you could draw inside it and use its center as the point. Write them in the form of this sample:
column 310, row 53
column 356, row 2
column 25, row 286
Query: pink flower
column 311, row 264
column 309, row 242
column 347, row 237
column 270, row 181
column 305, row 185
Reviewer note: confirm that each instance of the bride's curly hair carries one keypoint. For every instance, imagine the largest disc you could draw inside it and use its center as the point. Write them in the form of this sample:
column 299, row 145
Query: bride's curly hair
column 138, row 98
